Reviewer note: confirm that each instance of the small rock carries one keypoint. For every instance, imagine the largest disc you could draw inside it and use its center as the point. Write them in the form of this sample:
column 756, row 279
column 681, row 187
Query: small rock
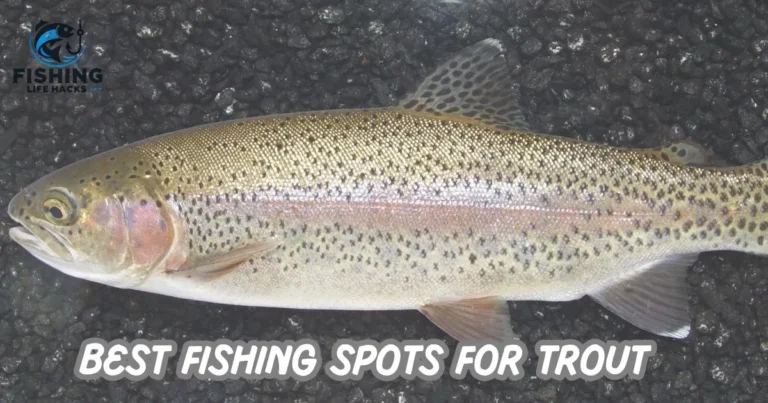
column 9, row 365
column 225, row 97
column 635, row 85
column 332, row 15
column 706, row 322
column 575, row 41
column 147, row 31
column 51, row 362
column 758, row 365
column 722, row 371
column 531, row 47
column 748, row 120
column 609, row 53
column 684, row 380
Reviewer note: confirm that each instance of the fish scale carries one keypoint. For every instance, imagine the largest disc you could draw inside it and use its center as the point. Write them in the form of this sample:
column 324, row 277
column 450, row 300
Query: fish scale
column 506, row 211
column 445, row 203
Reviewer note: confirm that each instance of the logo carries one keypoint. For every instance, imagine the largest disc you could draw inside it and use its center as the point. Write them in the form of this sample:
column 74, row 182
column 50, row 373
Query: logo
column 58, row 47
column 51, row 44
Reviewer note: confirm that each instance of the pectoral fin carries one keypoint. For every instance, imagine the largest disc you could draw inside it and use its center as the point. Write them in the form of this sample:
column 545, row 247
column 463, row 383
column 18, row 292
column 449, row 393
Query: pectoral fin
column 655, row 300
column 219, row 264
column 485, row 319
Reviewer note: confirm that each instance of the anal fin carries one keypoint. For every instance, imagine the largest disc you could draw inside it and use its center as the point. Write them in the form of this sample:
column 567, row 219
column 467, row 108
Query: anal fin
column 655, row 299
column 478, row 319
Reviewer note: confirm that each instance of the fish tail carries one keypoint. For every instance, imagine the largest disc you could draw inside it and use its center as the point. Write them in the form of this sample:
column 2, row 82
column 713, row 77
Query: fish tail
column 717, row 208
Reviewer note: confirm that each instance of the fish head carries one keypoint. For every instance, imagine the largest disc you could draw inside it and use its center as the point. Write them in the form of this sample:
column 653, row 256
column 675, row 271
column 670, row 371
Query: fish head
column 64, row 30
column 84, row 225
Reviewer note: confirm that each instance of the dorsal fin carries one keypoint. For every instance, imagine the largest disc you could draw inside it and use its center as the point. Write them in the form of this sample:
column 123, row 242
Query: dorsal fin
column 474, row 83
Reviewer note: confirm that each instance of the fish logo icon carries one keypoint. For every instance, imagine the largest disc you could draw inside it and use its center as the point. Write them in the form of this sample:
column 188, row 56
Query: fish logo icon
column 56, row 44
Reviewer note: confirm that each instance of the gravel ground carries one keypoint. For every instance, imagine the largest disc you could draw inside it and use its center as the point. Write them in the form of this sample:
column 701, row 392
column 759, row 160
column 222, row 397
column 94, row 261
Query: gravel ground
column 627, row 73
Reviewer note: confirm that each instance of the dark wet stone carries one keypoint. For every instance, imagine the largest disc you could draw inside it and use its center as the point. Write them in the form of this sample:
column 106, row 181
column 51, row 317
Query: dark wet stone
column 684, row 380
column 11, row 102
column 332, row 15
column 146, row 30
column 706, row 322
column 722, row 371
column 531, row 47
column 9, row 365
column 635, row 85
column 748, row 120
column 537, row 80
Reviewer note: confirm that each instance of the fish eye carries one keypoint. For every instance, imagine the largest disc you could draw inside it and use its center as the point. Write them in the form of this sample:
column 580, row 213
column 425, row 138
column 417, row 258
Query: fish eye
column 56, row 212
column 59, row 208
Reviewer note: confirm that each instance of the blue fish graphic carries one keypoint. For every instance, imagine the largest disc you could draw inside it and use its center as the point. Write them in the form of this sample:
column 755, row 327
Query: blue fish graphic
column 49, row 38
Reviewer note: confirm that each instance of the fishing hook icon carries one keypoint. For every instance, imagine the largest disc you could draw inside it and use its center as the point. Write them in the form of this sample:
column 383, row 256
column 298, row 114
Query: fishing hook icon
column 80, row 33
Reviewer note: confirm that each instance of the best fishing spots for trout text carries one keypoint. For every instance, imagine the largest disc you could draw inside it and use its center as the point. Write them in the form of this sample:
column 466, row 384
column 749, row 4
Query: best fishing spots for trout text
column 388, row 360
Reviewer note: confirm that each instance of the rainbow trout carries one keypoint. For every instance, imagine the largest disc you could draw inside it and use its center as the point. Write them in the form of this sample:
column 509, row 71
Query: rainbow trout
column 445, row 203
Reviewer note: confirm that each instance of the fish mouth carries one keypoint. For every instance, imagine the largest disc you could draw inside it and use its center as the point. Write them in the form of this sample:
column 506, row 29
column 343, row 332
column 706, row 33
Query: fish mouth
column 44, row 244
column 35, row 235
column 50, row 248
column 47, row 245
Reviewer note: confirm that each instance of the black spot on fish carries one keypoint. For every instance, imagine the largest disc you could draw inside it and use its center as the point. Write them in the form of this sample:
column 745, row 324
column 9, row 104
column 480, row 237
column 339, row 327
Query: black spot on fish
column 472, row 258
